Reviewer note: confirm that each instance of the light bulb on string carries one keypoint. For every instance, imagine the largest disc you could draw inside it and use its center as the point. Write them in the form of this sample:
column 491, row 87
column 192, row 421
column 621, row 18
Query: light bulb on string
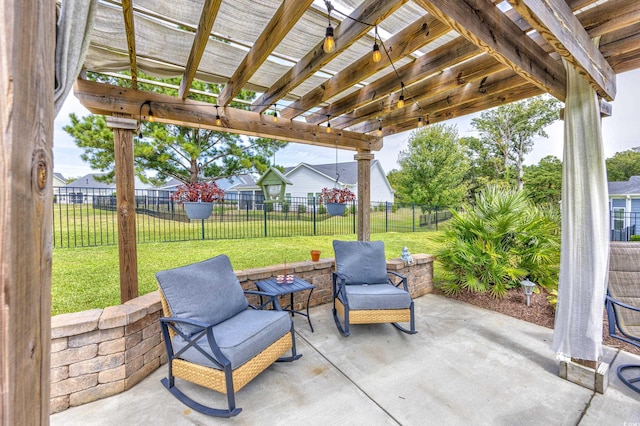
column 420, row 123
column 401, row 98
column 380, row 128
column 218, row 120
column 377, row 56
column 329, row 42
column 275, row 114
column 328, row 130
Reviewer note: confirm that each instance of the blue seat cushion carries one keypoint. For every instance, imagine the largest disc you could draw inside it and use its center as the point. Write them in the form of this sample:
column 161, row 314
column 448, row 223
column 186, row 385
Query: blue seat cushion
column 207, row 291
column 361, row 262
column 240, row 338
column 376, row 296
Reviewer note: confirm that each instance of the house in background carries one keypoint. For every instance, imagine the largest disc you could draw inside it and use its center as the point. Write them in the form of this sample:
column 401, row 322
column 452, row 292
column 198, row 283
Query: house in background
column 84, row 189
column 309, row 179
column 624, row 205
column 58, row 180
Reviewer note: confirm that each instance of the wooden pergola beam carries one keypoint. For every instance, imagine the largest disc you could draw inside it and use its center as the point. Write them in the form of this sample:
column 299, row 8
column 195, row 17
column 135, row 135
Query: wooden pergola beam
column 485, row 26
column 372, row 94
column 555, row 21
column 408, row 40
column 129, row 25
column 107, row 99
column 281, row 23
column 207, row 18
column 348, row 32
column 511, row 94
column 445, row 80
column 469, row 91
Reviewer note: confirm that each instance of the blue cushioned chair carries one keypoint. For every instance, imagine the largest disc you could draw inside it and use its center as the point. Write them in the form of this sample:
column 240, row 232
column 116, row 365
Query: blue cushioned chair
column 213, row 336
column 623, row 303
column 364, row 292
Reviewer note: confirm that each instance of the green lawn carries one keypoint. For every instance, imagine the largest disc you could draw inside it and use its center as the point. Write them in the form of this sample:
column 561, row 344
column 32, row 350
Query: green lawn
column 87, row 278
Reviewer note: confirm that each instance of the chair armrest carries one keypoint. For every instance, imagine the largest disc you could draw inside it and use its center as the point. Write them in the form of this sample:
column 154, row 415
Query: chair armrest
column 271, row 298
column 403, row 280
column 624, row 305
column 338, row 281
column 205, row 329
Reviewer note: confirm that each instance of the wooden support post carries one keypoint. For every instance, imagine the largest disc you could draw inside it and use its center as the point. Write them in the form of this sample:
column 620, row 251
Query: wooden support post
column 27, row 38
column 364, row 157
column 123, row 129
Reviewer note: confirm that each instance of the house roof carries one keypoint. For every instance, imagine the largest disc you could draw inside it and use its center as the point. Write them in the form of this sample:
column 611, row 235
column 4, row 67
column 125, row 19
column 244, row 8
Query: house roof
column 346, row 173
column 632, row 186
column 59, row 176
column 89, row 181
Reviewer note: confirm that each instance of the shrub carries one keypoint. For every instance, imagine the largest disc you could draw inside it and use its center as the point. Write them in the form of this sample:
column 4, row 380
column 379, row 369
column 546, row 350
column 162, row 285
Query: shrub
column 302, row 208
column 322, row 209
column 501, row 240
column 286, row 207
column 635, row 238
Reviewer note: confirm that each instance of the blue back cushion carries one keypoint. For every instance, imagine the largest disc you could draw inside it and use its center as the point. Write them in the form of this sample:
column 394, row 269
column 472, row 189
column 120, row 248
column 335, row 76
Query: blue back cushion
column 362, row 262
column 208, row 291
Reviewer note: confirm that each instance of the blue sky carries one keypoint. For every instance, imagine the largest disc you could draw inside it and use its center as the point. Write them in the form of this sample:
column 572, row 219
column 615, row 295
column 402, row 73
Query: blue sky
column 620, row 132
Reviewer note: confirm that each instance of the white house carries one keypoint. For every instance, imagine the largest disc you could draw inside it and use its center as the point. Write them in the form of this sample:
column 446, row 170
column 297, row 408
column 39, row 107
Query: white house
column 309, row 179
column 624, row 205
column 82, row 190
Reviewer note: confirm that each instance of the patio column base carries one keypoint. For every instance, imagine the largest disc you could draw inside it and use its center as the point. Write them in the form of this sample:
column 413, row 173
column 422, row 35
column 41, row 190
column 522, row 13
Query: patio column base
column 596, row 379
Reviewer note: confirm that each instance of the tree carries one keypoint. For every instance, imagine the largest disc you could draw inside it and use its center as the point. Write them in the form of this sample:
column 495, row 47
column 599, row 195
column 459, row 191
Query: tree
column 510, row 130
column 543, row 181
column 623, row 165
column 174, row 151
column 433, row 167
column 485, row 167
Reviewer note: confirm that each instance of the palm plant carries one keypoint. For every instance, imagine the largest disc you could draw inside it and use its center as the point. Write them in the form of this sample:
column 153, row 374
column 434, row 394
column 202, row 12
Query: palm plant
column 501, row 240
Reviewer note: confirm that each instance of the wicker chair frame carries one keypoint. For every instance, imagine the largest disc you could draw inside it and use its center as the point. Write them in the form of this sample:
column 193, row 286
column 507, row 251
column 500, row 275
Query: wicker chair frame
column 224, row 380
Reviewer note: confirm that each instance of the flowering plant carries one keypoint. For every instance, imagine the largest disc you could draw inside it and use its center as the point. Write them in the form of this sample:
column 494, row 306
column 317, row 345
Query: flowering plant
column 336, row 195
column 205, row 192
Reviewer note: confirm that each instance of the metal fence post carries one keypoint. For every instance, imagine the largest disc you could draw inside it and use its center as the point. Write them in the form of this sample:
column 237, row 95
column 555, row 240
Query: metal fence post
column 264, row 209
column 436, row 218
column 315, row 224
column 354, row 215
column 386, row 216
column 413, row 217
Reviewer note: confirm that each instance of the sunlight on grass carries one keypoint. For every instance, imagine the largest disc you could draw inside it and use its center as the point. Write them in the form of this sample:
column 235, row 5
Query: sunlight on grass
column 87, row 278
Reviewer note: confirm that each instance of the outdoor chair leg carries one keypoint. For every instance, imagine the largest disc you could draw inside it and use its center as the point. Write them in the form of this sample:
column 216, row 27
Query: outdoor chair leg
column 412, row 323
column 294, row 354
column 634, row 381
column 344, row 331
column 215, row 412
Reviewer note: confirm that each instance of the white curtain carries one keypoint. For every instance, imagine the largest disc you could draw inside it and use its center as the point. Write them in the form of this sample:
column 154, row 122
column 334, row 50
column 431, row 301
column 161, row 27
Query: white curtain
column 73, row 34
column 585, row 231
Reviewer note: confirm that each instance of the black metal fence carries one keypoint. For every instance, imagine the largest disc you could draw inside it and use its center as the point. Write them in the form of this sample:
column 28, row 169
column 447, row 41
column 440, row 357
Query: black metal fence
column 85, row 217
column 624, row 225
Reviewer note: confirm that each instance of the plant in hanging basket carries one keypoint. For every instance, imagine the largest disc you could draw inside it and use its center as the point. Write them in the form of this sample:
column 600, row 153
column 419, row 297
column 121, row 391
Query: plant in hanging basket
column 336, row 195
column 198, row 192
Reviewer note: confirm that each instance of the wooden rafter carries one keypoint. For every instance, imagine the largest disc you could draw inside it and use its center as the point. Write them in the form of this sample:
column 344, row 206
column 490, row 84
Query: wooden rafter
column 419, row 33
column 207, row 18
column 106, row 99
column 469, row 91
column 348, row 32
column 559, row 26
column 432, row 62
column 281, row 23
column 454, row 77
column 129, row 25
column 484, row 25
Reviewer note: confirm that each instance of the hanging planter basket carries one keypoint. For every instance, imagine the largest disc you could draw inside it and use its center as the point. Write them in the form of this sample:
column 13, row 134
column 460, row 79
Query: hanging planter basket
column 336, row 209
column 198, row 209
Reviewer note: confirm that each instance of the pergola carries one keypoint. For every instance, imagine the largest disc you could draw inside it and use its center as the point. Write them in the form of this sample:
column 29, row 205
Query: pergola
column 443, row 58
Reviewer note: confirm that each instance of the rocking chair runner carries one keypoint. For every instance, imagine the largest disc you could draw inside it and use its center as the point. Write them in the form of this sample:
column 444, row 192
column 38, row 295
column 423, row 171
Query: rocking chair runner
column 364, row 292
column 623, row 303
column 212, row 338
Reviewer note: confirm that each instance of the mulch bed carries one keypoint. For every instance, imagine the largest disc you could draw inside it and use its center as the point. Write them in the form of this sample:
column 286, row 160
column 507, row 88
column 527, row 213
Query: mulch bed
column 539, row 312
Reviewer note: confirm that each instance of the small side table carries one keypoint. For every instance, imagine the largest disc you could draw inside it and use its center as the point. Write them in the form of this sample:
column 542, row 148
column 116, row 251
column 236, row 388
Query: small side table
column 271, row 286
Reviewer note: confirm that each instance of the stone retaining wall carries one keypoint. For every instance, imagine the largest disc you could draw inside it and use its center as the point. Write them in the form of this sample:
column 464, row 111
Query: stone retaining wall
column 102, row 352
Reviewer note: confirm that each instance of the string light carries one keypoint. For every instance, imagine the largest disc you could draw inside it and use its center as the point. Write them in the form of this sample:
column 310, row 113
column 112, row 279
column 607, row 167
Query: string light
column 275, row 114
column 420, row 123
column 328, row 125
column 329, row 42
column 377, row 56
column 401, row 98
column 218, row 120
column 380, row 127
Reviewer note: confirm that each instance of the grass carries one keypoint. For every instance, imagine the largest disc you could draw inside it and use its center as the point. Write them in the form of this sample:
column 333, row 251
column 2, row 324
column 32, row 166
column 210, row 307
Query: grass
column 89, row 277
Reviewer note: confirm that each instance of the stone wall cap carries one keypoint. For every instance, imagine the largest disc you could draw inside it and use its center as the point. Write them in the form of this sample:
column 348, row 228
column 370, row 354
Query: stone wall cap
column 149, row 301
column 121, row 315
column 64, row 325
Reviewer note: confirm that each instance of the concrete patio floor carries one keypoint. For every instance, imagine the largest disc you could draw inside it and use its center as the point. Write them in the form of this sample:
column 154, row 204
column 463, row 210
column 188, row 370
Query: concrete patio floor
column 466, row 366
